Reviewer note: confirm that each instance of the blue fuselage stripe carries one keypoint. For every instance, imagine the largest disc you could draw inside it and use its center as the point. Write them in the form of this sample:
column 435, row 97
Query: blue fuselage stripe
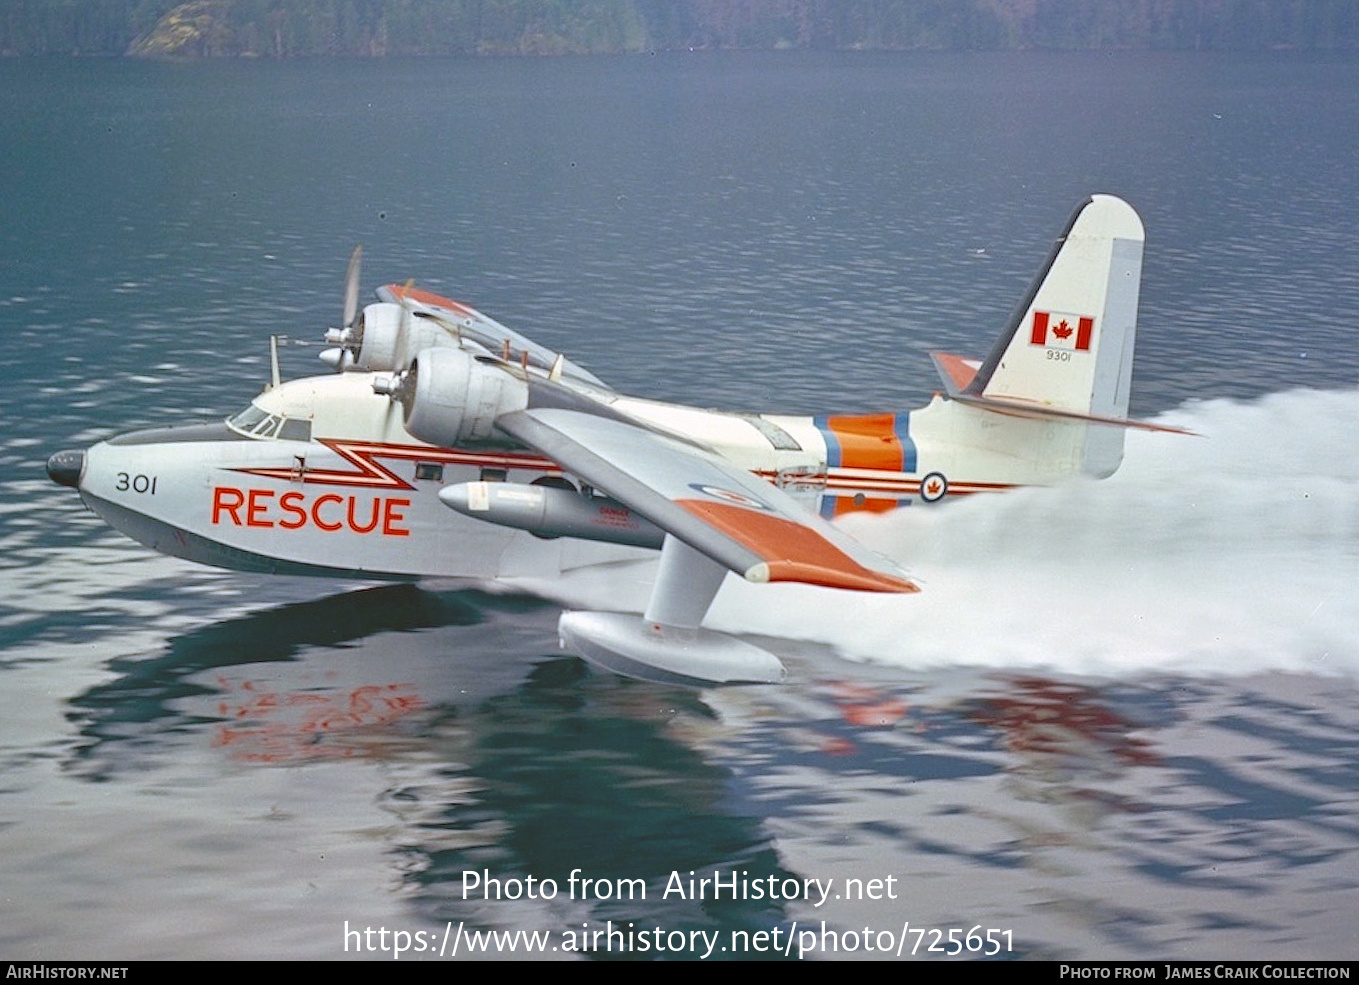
column 908, row 453
column 822, row 422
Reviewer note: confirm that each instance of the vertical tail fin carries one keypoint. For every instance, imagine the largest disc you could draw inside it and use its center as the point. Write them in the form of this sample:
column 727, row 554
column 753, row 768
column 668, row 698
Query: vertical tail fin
column 1067, row 352
column 1069, row 344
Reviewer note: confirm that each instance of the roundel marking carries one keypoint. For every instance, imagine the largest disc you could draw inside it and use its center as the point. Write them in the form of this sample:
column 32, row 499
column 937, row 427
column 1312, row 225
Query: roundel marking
column 933, row 487
column 730, row 496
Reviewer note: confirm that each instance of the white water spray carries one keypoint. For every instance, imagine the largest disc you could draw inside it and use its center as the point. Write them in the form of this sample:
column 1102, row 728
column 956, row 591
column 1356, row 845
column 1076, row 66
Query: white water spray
column 1232, row 552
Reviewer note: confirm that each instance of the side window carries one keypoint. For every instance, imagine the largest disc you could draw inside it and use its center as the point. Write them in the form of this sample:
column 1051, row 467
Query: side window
column 295, row 430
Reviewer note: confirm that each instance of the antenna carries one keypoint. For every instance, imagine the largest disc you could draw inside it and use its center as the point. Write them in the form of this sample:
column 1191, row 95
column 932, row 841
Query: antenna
column 274, row 378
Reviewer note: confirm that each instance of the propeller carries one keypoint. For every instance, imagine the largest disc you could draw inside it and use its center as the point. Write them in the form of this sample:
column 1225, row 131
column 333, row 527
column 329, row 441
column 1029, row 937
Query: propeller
column 349, row 336
column 351, row 286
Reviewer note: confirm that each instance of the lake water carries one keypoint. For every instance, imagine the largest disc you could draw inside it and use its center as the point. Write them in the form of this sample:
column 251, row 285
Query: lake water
column 1120, row 721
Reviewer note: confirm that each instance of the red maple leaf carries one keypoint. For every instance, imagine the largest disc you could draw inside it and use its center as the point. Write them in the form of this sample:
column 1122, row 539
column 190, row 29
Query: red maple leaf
column 1062, row 329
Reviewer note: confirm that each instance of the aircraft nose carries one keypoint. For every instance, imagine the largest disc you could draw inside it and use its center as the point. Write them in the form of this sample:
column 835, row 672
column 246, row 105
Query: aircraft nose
column 64, row 468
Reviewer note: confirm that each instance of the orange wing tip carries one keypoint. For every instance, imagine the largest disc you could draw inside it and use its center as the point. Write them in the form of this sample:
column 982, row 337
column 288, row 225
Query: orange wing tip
column 793, row 552
column 408, row 292
column 814, row 574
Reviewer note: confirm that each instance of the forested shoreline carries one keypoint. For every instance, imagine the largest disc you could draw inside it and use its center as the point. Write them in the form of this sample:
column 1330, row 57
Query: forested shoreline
column 376, row 28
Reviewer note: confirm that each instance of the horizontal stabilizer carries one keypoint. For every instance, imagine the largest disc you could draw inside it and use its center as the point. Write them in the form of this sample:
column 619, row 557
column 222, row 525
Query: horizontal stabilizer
column 956, row 372
column 1019, row 408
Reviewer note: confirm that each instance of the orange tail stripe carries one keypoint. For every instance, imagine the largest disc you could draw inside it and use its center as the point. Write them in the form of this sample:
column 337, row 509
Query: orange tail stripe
column 868, row 441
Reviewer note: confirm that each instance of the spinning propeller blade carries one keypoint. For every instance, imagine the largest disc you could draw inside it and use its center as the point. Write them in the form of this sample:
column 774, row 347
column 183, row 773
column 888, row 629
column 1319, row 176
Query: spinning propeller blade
column 351, row 287
column 350, row 333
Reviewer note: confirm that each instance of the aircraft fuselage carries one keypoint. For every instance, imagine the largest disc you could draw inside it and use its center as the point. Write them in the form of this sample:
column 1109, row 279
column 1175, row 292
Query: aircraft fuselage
column 318, row 476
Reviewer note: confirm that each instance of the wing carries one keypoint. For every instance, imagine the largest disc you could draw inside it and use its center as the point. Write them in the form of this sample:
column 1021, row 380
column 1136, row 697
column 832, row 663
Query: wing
column 486, row 332
column 736, row 519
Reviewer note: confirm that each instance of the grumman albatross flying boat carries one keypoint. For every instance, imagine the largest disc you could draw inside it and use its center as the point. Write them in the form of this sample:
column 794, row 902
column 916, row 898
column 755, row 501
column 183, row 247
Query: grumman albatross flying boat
column 451, row 446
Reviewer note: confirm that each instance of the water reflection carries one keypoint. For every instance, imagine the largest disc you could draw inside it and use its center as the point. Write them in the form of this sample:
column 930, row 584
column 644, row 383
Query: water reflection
column 579, row 771
column 506, row 760
column 221, row 676
column 487, row 752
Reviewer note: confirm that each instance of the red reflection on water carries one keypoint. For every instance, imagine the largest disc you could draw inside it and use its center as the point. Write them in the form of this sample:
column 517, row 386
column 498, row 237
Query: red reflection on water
column 1049, row 718
column 283, row 726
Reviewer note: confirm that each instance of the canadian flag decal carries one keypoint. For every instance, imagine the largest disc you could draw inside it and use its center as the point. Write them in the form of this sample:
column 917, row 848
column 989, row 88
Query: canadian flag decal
column 1062, row 331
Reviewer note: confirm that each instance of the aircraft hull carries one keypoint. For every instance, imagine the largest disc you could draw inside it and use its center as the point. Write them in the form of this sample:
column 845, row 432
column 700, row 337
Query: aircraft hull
column 248, row 505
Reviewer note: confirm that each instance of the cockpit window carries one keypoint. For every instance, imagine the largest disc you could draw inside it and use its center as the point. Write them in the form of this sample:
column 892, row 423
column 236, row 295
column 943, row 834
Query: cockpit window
column 256, row 423
column 246, row 420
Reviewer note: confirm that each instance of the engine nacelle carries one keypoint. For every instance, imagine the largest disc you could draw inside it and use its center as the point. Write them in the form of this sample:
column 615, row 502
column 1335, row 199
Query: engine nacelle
column 381, row 337
column 451, row 398
column 392, row 336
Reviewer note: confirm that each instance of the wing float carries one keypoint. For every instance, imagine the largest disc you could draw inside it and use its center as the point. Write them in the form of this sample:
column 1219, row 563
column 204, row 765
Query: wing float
column 715, row 517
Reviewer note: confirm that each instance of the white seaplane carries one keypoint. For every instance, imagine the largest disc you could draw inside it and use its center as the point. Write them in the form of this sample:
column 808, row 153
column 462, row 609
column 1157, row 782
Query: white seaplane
column 452, row 447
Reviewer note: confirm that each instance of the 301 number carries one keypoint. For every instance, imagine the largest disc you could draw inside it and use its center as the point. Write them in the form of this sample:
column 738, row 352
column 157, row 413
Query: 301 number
column 136, row 483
